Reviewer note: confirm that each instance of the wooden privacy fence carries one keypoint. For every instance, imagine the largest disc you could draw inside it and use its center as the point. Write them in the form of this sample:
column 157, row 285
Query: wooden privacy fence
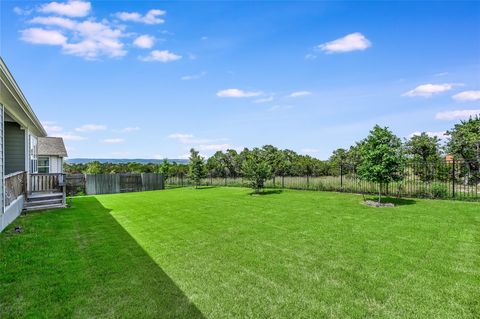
column 78, row 184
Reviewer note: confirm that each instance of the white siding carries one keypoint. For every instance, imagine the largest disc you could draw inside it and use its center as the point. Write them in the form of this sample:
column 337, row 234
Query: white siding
column 56, row 164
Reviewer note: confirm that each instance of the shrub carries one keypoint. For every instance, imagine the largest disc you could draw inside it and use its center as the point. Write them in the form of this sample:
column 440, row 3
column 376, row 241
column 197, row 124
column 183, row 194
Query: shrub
column 439, row 190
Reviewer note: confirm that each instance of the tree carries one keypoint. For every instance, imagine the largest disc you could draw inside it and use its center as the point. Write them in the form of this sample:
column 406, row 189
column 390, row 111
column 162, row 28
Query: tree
column 465, row 140
column 216, row 165
column 423, row 148
column 338, row 159
column 425, row 152
column 165, row 169
column 94, row 167
column 256, row 169
column 382, row 158
column 464, row 144
column 196, row 167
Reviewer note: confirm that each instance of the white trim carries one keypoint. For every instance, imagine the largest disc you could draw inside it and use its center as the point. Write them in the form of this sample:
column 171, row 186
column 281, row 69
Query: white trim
column 12, row 212
column 3, row 159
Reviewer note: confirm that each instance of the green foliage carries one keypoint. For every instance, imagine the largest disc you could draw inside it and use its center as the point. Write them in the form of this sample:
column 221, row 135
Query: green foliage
column 424, row 152
column 464, row 140
column 382, row 158
column 94, row 168
column 464, row 144
column 165, row 168
column 257, row 169
column 197, row 167
column 423, row 148
column 439, row 190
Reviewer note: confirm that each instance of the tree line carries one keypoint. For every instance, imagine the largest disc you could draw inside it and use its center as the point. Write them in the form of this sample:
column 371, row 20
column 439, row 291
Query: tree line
column 380, row 157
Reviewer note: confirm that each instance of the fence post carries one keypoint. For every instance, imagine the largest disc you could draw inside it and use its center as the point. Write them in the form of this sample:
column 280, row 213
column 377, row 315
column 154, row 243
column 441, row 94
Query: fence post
column 308, row 182
column 453, row 178
column 283, row 181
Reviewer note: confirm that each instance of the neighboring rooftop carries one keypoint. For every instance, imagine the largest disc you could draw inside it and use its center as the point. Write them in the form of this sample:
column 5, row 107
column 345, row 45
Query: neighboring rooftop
column 51, row 146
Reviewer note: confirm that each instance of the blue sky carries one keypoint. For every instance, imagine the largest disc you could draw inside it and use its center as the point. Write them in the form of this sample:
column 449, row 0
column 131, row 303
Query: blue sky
column 138, row 79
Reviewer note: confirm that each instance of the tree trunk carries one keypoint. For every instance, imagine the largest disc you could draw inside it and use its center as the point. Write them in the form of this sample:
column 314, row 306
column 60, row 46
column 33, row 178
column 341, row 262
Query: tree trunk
column 380, row 193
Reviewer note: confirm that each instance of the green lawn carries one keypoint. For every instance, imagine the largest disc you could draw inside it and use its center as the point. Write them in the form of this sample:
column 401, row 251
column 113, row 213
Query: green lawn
column 222, row 253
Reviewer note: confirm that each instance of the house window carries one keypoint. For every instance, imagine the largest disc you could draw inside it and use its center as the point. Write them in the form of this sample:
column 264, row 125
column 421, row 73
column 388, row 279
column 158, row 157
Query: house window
column 43, row 164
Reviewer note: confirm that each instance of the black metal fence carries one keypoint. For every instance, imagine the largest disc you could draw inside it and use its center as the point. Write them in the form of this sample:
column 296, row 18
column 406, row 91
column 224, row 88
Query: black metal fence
column 446, row 180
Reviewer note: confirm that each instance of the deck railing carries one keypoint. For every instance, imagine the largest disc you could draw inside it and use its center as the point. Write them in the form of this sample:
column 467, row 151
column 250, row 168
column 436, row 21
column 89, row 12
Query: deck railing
column 48, row 183
column 15, row 186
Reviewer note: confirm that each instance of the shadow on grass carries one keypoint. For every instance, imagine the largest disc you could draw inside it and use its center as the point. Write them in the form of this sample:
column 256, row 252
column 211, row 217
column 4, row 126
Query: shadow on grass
column 205, row 187
column 99, row 269
column 267, row 192
column 395, row 201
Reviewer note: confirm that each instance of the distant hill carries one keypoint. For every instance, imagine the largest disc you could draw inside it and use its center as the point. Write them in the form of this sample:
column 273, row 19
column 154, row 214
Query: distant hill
column 123, row 160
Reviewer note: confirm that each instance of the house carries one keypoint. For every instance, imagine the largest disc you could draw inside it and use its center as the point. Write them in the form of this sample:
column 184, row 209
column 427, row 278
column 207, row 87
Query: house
column 21, row 185
column 51, row 152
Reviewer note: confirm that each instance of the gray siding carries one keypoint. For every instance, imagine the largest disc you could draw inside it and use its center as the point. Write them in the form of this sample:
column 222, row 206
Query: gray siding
column 14, row 148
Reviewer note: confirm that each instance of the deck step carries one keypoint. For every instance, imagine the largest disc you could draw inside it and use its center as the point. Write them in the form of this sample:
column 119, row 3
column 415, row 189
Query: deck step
column 42, row 207
column 47, row 201
column 38, row 197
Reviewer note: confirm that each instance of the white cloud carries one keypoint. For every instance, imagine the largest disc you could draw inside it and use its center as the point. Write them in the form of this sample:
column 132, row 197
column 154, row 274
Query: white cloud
column 54, row 130
column 151, row 17
column 21, row 11
column 91, row 128
column 183, row 138
column 427, row 90
column 144, row 41
column 159, row 156
column 113, row 140
column 467, row 96
column 55, row 21
column 72, row 8
column 441, row 74
column 42, row 36
column 457, row 115
column 193, row 76
column 213, row 147
column 96, row 39
column 264, row 100
column 440, row 135
column 190, row 139
column 300, row 93
column 310, row 56
column 161, row 56
column 351, row 42
column 237, row 93
column 130, row 129
column 70, row 137
column 51, row 127
column 91, row 39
